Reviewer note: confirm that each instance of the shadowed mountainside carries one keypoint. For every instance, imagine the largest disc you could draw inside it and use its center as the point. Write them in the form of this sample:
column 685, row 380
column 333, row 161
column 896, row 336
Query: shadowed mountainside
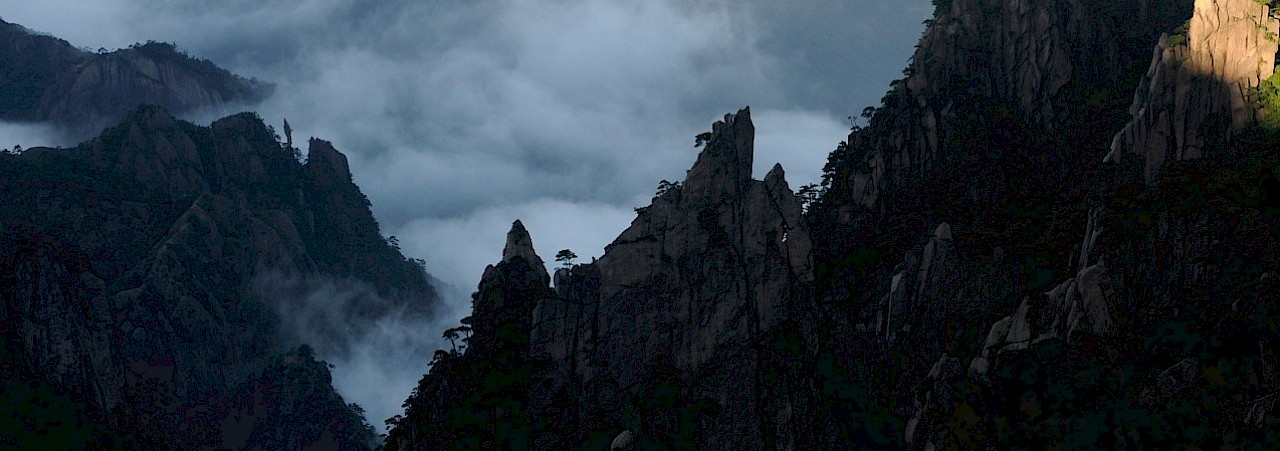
column 132, row 287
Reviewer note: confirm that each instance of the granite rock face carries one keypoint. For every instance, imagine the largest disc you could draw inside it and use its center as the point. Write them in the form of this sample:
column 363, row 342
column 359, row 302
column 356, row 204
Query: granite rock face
column 133, row 264
column 1195, row 95
column 1015, row 323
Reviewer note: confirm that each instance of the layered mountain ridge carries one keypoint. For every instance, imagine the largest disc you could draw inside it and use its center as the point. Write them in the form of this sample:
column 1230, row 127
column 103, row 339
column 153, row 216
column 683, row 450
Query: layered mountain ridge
column 46, row 79
column 136, row 284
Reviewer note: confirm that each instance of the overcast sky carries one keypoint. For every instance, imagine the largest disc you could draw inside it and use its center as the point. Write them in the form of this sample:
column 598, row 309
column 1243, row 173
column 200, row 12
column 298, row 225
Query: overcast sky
column 459, row 116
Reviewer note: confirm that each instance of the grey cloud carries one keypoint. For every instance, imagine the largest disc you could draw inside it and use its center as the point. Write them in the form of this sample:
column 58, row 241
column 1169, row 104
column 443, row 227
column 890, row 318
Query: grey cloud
column 377, row 361
column 599, row 97
column 30, row 135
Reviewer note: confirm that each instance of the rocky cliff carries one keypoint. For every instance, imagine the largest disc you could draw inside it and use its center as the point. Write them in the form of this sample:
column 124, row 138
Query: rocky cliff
column 989, row 72
column 1196, row 93
column 134, row 266
column 699, row 281
column 1129, row 327
column 43, row 78
column 702, row 283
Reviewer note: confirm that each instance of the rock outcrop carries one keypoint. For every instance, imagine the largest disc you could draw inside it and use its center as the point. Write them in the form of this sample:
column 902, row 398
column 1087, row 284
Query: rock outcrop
column 49, row 80
column 133, row 264
column 1196, row 93
column 1081, row 304
column 676, row 323
column 723, row 250
column 703, row 274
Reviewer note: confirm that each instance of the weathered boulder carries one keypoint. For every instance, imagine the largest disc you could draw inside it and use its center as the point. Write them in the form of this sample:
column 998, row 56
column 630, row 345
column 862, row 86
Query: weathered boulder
column 626, row 441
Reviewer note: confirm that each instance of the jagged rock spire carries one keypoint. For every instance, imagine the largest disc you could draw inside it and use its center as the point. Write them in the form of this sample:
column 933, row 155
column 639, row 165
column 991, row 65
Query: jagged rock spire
column 725, row 163
column 520, row 244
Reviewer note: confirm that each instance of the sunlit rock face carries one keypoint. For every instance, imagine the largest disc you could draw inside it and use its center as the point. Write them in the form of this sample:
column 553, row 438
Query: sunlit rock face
column 1195, row 94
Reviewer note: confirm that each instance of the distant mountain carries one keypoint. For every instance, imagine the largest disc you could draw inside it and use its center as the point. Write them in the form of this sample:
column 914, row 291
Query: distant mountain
column 46, row 79
column 143, row 279
column 1059, row 230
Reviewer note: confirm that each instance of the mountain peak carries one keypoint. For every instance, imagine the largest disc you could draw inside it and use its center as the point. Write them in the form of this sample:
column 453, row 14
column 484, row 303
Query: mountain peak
column 725, row 163
column 520, row 244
